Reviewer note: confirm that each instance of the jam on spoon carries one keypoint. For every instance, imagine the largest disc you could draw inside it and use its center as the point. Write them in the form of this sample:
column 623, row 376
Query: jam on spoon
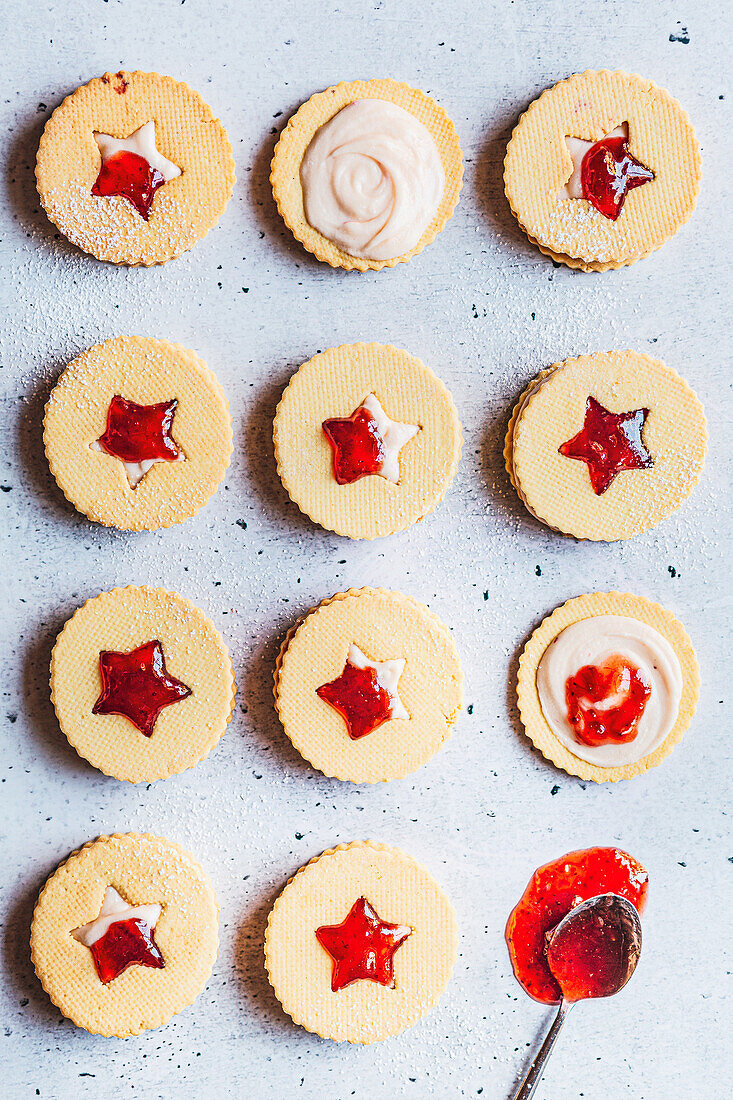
column 605, row 702
column 362, row 946
column 609, row 443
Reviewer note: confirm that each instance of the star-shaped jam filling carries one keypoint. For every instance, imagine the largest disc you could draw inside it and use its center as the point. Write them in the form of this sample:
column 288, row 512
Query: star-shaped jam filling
column 604, row 171
column 609, row 442
column 365, row 694
column 137, row 685
column 367, row 442
column 121, row 936
column 362, row 946
column 139, row 436
column 605, row 702
column 133, row 168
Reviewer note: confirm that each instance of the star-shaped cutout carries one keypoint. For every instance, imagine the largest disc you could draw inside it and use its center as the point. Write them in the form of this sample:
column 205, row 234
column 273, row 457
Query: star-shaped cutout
column 609, row 442
column 604, row 171
column 367, row 442
column 133, row 167
column 121, row 936
column 365, row 694
column 137, row 685
column 362, row 946
column 139, row 436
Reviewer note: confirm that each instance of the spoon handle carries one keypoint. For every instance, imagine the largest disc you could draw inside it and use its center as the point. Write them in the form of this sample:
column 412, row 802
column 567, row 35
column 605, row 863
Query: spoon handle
column 532, row 1080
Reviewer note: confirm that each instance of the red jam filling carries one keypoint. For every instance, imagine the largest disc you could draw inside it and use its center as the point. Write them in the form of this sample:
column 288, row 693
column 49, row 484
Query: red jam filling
column 588, row 958
column 138, row 433
column 609, row 443
column 359, row 698
column 608, row 173
column 128, row 174
column 137, row 685
column 552, row 892
column 595, row 719
column 125, row 943
column 358, row 448
column 362, row 946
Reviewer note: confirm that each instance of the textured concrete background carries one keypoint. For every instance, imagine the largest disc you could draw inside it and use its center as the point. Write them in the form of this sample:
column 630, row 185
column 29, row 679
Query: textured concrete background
column 486, row 311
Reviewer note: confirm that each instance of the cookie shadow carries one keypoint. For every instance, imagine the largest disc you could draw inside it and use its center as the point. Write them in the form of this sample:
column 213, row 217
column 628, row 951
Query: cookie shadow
column 249, row 961
column 504, row 496
column 489, row 186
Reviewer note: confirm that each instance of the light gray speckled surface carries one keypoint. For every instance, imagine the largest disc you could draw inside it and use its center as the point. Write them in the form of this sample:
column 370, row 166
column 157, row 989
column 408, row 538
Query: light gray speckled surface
column 487, row 312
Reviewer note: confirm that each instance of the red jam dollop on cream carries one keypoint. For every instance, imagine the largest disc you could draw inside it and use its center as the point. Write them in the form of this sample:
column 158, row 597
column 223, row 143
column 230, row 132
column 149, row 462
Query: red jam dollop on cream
column 362, row 946
column 553, row 891
column 137, row 685
column 609, row 443
column 606, row 701
column 365, row 694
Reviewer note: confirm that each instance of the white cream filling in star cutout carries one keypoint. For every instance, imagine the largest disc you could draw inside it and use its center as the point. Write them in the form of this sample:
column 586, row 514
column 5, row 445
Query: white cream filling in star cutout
column 394, row 436
column 388, row 677
column 114, row 909
column 142, row 142
column 136, row 471
column 577, row 148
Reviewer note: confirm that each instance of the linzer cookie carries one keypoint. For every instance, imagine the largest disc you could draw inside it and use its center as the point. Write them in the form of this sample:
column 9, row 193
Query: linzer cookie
column 607, row 686
column 138, row 433
column 367, row 439
column 368, row 685
column 125, row 934
column 142, row 683
column 361, row 943
column 602, row 169
column 367, row 173
column 134, row 168
column 607, row 445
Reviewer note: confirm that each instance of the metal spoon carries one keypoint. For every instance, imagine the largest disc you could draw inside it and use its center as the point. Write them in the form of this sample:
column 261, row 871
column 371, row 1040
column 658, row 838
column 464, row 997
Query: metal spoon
column 623, row 917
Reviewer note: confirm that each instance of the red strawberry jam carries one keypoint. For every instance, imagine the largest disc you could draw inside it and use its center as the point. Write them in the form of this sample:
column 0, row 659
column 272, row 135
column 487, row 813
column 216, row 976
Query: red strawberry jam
column 125, row 943
column 362, row 946
column 607, row 174
column 609, row 443
column 138, row 433
column 552, row 892
column 128, row 174
column 606, row 701
column 137, row 685
column 359, row 698
column 588, row 957
column 358, row 447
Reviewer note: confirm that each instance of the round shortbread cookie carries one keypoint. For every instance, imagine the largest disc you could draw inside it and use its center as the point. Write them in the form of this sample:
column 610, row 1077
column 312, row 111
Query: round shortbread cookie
column 575, row 611
column 557, row 489
column 300, row 131
column 385, row 626
column 186, row 730
column 402, row 892
column 144, row 870
column 335, row 384
column 589, row 106
column 147, row 372
column 184, row 208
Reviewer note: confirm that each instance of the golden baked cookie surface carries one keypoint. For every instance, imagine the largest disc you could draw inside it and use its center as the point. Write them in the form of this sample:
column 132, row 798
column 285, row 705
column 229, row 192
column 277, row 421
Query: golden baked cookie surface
column 589, row 106
column 145, row 371
column 318, row 110
column 186, row 133
column 144, row 870
column 402, row 892
column 194, row 652
column 335, row 384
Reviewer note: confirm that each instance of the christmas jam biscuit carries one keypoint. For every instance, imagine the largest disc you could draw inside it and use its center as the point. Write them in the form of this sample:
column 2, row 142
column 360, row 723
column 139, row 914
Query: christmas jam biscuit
column 607, row 686
column 607, row 445
column 134, row 168
column 138, row 433
column 361, row 943
column 602, row 169
column 367, row 439
column 367, row 173
column 125, row 934
column 142, row 683
column 368, row 685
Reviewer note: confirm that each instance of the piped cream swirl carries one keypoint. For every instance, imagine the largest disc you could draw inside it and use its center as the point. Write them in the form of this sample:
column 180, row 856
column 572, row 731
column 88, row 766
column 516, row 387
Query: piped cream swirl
column 372, row 180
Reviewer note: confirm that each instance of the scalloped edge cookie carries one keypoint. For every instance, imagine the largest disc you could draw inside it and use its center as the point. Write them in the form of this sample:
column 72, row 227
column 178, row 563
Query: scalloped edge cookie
column 334, row 383
column 314, row 113
column 361, row 997
column 584, row 607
